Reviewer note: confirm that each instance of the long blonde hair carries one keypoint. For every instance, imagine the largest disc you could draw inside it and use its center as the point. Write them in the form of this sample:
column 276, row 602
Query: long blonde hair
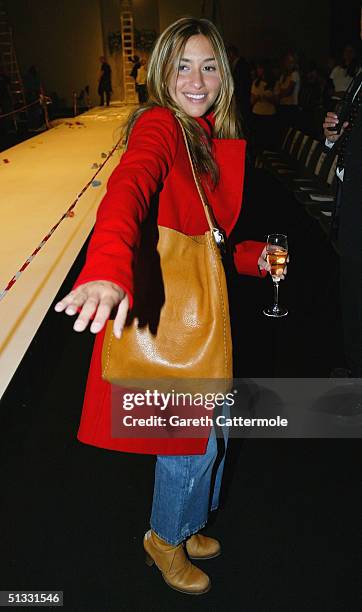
column 166, row 55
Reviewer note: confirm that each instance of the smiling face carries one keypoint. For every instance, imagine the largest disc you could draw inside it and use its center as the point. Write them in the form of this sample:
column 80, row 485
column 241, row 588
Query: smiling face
column 195, row 82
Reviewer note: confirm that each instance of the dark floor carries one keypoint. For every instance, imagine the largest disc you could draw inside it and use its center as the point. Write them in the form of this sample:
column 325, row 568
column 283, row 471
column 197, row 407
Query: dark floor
column 73, row 516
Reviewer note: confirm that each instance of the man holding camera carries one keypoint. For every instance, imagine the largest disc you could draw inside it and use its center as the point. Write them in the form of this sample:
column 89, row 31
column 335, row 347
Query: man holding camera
column 348, row 217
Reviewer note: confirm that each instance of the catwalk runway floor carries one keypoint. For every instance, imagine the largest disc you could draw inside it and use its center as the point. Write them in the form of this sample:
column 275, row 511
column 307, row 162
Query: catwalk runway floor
column 40, row 179
column 73, row 516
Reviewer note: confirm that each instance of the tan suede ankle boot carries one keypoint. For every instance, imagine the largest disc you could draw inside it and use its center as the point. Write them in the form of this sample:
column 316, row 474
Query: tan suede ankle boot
column 177, row 570
column 202, row 547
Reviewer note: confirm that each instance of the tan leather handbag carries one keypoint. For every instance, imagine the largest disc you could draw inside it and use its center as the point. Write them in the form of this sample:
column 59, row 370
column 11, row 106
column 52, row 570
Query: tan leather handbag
column 179, row 326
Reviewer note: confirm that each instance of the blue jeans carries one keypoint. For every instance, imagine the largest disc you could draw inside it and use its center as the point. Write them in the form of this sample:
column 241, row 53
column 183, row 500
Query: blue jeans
column 182, row 495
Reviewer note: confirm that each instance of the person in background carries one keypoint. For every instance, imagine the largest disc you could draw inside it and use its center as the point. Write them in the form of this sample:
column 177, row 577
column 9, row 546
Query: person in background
column 263, row 106
column 328, row 92
column 5, row 107
column 141, row 82
column 343, row 74
column 136, row 66
column 105, row 82
column 240, row 70
column 347, row 221
column 87, row 97
column 311, row 100
column 5, row 96
column 32, row 85
column 287, row 89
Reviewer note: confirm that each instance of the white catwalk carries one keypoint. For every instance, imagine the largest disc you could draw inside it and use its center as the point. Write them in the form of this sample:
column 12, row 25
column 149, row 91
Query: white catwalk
column 40, row 179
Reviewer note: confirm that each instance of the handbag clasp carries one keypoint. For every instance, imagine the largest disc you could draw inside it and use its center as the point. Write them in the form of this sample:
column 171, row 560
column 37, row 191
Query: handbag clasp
column 219, row 239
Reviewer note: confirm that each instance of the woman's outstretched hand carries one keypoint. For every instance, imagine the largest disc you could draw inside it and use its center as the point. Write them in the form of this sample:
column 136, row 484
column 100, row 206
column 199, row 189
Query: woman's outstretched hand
column 96, row 298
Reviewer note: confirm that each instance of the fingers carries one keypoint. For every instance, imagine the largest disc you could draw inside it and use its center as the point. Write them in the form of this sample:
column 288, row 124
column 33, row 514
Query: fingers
column 93, row 298
column 344, row 126
column 283, row 275
column 85, row 314
column 60, row 306
column 330, row 122
column 104, row 310
column 121, row 316
column 331, row 116
column 263, row 263
column 71, row 302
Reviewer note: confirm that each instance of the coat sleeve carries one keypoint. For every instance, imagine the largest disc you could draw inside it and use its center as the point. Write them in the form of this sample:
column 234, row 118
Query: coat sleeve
column 246, row 255
column 144, row 166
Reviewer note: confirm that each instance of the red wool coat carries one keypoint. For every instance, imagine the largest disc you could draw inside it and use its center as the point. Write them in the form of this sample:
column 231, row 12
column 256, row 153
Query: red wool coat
column 155, row 161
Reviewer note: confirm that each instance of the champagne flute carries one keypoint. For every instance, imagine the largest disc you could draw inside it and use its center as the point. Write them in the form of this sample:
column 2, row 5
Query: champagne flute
column 276, row 254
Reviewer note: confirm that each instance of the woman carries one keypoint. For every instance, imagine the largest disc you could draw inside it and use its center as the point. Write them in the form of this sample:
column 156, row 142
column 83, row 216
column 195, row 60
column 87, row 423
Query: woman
column 343, row 74
column 188, row 77
column 263, row 106
column 287, row 90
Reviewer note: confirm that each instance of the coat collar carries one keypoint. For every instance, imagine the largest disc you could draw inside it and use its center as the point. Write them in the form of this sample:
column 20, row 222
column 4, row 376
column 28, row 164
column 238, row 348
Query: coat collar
column 207, row 122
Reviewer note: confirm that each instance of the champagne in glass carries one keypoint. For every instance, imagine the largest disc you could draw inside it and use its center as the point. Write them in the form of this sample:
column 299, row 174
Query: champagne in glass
column 276, row 254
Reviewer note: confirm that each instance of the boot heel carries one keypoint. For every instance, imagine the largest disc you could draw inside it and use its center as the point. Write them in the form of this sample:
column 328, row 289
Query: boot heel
column 148, row 560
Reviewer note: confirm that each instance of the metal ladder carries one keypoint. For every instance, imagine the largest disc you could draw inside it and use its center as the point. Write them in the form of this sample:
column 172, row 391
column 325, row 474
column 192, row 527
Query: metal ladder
column 10, row 66
column 127, row 36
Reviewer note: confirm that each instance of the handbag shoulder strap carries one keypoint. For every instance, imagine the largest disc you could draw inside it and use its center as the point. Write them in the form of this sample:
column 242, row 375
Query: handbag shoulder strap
column 217, row 233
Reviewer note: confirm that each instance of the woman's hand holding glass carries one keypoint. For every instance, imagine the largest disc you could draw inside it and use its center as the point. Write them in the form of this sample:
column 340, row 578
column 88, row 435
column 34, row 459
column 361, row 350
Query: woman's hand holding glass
column 96, row 298
column 277, row 257
column 264, row 265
